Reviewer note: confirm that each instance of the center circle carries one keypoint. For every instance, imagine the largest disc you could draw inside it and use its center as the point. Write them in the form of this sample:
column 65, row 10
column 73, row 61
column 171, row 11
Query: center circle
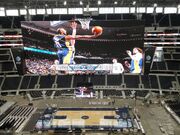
column 85, row 117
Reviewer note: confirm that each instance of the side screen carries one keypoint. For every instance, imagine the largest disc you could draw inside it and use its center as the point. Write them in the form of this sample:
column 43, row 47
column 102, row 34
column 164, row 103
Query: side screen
column 49, row 50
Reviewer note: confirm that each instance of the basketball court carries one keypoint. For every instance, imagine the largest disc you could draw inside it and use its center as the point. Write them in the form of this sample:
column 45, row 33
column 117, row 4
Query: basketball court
column 89, row 118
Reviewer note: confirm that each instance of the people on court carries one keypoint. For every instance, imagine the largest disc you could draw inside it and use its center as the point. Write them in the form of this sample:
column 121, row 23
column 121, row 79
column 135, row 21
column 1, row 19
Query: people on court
column 65, row 43
column 136, row 60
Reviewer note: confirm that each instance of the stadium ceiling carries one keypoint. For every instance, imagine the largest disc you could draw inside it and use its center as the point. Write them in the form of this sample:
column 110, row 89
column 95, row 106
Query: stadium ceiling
column 9, row 4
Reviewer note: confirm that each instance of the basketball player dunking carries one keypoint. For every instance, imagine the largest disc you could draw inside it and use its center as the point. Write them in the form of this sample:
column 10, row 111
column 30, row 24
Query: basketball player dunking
column 65, row 44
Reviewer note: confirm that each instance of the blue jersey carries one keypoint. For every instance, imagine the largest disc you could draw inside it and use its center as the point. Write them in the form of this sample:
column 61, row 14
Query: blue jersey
column 61, row 41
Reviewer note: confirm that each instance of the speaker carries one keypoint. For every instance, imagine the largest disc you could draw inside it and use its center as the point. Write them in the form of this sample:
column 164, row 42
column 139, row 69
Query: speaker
column 148, row 58
column 18, row 55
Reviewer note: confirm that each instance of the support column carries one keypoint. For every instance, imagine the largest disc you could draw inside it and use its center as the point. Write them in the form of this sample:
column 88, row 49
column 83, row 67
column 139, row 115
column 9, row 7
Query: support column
column 54, row 85
column 72, row 80
column 17, row 92
column 159, row 85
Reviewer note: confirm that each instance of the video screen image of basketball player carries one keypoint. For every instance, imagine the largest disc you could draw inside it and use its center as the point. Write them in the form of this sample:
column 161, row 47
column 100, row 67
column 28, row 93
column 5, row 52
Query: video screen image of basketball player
column 65, row 43
column 68, row 43
column 136, row 60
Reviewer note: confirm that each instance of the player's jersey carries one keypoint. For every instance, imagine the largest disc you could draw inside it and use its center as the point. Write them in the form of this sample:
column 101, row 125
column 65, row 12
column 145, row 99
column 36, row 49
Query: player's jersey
column 137, row 64
column 117, row 68
column 63, row 43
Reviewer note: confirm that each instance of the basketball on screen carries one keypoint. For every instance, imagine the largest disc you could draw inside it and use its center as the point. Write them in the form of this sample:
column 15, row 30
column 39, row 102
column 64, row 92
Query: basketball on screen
column 97, row 30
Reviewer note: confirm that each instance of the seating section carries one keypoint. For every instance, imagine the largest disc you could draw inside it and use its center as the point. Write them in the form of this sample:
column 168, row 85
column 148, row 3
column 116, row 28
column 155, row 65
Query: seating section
column 29, row 82
column 6, row 61
column 171, row 55
column 64, row 93
column 9, row 39
column 153, row 82
column 79, row 79
column 67, row 92
column 112, row 93
column 176, row 55
column 32, row 122
column 141, row 93
column 49, row 93
column 1, row 78
column 58, row 93
column 168, row 39
column 179, row 79
column 2, row 102
column 146, row 81
column 159, row 66
column 64, row 81
column 33, row 82
column 98, row 80
column 36, row 94
column 131, row 81
column 16, row 117
column 114, row 79
column 11, row 83
column 150, row 82
column 46, row 81
column 173, row 65
column 166, row 80
column 127, row 93
column 25, row 82
column 174, row 105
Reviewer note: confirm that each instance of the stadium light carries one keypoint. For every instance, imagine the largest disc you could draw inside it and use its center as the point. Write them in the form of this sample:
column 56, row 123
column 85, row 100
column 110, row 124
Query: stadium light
column 81, row 3
column 2, row 11
column 46, row 5
column 115, row 2
column 134, row 3
column 155, row 4
column 12, row 12
column 99, row 2
column 65, row 3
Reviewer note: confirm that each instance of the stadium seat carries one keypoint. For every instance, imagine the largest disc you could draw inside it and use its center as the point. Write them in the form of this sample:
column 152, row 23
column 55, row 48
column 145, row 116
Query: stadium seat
column 64, row 81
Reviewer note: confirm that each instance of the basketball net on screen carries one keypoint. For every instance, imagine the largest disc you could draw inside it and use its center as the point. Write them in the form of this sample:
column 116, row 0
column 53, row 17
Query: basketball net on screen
column 84, row 22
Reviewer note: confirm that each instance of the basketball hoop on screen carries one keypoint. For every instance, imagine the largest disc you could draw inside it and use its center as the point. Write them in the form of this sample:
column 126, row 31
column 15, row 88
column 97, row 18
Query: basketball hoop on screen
column 84, row 22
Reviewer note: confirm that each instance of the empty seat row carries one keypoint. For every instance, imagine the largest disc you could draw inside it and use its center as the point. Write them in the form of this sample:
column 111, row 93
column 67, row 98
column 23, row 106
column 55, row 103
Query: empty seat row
column 175, row 106
column 2, row 102
column 64, row 92
column 65, row 81
column 128, row 93
column 49, row 93
column 172, row 56
column 16, row 117
column 36, row 94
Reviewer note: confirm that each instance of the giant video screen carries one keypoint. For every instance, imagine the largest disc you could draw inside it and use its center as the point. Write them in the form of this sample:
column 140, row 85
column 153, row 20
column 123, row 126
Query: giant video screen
column 65, row 47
